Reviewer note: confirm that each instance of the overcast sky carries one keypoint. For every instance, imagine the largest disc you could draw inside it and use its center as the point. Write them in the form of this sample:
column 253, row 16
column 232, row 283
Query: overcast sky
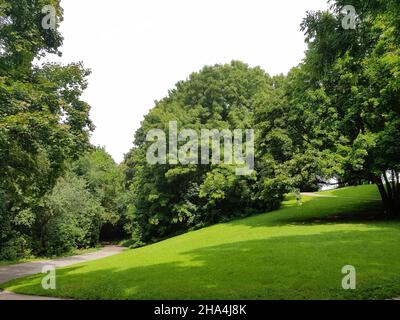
column 138, row 50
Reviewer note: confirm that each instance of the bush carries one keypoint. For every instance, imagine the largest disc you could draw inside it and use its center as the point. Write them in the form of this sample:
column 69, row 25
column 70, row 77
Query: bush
column 15, row 248
column 74, row 217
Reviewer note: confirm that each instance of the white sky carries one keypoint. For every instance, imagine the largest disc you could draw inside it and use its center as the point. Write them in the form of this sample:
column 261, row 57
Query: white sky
column 138, row 50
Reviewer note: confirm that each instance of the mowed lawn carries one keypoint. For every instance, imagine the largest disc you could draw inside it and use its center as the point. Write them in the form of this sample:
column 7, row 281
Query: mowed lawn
column 296, row 252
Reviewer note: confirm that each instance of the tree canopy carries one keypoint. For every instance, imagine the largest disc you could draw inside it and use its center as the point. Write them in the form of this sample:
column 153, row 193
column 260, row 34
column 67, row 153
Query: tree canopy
column 347, row 90
column 169, row 198
column 335, row 115
column 43, row 121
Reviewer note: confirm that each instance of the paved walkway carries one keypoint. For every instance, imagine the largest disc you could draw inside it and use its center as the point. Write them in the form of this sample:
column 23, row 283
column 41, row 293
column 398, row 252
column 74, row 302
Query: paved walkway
column 4, row 295
column 15, row 271
column 318, row 195
column 312, row 194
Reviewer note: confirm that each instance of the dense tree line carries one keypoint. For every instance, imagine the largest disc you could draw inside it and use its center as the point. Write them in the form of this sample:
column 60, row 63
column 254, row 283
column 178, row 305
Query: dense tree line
column 335, row 115
column 345, row 97
column 45, row 207
column 169, row 198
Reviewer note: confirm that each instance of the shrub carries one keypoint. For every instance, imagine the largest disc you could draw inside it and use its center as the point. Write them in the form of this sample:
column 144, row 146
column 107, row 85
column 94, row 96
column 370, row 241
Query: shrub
column 74, row 217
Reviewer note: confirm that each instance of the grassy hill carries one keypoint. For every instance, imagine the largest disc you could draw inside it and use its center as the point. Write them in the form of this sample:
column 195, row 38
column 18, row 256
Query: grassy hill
column 296, row 252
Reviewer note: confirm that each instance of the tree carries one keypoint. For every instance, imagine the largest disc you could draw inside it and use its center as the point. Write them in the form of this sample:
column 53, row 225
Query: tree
column 170, row 198
column 342, row 110
column 284, row 146
column 105, row 181
column 43, row 122
column 72, row 219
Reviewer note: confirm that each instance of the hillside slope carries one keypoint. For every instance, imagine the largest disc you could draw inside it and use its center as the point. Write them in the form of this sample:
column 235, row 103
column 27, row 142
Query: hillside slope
column 296, row 252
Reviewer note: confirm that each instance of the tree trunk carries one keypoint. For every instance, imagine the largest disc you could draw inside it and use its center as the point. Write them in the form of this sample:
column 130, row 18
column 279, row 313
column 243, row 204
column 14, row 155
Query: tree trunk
column 394, row 187
column 390, row 194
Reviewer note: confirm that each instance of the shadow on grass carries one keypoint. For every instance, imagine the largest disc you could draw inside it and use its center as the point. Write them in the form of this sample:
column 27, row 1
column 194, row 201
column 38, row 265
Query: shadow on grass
column 282, row 267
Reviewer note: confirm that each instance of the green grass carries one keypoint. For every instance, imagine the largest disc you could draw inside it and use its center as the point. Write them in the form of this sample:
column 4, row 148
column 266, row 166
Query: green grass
column 296, row 252
column 366, row 192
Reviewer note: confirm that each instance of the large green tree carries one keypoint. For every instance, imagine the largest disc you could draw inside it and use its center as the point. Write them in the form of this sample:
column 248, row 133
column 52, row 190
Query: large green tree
column 168, row 198
column 341, row 117
column 43, row 121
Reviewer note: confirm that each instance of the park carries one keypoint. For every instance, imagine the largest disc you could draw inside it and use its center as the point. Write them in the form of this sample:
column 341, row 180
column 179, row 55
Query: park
column 237, row 184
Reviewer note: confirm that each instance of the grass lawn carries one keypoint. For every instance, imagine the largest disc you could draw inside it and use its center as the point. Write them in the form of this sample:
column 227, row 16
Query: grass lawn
column 296, row 252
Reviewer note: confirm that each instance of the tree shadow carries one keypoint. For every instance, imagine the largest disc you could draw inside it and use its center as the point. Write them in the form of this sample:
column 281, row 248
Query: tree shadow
column 280, row 267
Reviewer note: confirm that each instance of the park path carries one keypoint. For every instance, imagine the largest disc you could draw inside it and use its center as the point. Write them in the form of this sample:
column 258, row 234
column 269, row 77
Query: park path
column 11, row 272
column 10, row 296
column 318, row 195
column 312, row 194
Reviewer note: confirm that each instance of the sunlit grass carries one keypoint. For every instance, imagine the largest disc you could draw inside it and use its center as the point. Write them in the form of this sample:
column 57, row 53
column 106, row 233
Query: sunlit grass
column 296, row 252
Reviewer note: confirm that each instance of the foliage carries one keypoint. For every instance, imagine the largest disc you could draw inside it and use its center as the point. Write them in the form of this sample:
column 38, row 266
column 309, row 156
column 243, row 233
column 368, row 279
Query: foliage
column 167, row 199
column 87, row 199
column 73, row 217
column 43, row 122
column 336, row 115
column 341, row 114
column 296, row 252
column 105, row 181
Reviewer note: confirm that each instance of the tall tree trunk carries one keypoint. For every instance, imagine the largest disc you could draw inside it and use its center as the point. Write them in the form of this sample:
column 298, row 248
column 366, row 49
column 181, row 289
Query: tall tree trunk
column 394, row 187
column 397, row 183
column 396, row 192
column 390, row 196
column 388, row 186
